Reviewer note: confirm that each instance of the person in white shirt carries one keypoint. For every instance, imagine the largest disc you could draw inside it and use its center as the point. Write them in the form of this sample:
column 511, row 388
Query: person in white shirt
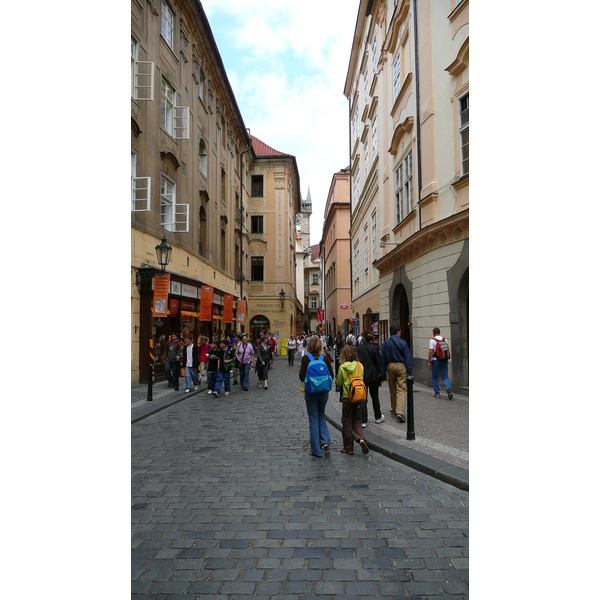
column 300, row 346
column 439, row 364
column 291, row 350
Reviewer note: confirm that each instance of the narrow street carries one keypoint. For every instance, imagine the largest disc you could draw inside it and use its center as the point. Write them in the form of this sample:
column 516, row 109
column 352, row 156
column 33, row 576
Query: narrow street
column 227, row 502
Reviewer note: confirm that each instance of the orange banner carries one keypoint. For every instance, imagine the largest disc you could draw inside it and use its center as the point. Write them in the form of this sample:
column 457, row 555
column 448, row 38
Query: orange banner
column 228, row 309
column 206, row 299
column 241, row 311
column 161, row 295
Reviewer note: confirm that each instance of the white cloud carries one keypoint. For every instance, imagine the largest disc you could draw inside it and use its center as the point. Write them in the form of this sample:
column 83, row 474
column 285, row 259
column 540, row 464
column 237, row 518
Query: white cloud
column 289, row 81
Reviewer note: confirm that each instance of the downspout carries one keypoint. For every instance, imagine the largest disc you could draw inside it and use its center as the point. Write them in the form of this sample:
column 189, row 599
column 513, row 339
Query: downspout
column 418, row 92
column 242, row 222
column 350, row 162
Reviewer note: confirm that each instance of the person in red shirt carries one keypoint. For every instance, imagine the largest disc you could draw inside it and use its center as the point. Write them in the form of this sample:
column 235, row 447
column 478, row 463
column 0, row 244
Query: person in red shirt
column 203, row 350
column 272, row 347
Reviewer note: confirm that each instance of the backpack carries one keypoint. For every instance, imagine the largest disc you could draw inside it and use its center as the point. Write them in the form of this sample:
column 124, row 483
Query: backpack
column 318, row 378
column 357, row 389
column 442, row 350
column 351, row 339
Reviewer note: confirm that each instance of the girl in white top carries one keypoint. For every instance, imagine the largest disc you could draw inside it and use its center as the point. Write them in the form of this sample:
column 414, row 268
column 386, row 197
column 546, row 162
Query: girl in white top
column 300, row 346
column 291, row 350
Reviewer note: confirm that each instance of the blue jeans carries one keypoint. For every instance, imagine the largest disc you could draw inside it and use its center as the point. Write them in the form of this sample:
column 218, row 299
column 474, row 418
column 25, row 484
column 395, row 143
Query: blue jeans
column 191, row 373
column 172, row 372
column 319, row 434
column 220, row 378
column 211, row 379
column 437, row 366
column 245, row 375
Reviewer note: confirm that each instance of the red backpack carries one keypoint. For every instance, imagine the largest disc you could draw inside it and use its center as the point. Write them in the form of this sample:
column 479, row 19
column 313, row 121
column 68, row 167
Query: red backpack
column 442, row 350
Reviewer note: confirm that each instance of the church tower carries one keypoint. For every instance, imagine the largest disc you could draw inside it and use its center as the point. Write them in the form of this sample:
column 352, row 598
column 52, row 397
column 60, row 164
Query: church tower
column 303, row 220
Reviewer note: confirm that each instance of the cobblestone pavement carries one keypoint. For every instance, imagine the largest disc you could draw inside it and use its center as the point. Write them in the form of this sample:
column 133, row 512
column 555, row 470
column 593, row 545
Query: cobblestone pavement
column 227, row 503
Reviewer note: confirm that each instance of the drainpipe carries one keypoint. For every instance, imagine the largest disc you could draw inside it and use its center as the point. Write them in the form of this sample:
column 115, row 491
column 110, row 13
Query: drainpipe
column 242, row 222
column 350, row 180
column 418, row 92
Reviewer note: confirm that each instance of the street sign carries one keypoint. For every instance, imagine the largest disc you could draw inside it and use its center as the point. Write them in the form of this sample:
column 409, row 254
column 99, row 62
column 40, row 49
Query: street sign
column 320, row 315
column 344, row 306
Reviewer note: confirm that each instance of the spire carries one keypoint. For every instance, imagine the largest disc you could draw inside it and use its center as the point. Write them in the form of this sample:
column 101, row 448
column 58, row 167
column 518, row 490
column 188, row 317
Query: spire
column 308, row 197
column 306, row 204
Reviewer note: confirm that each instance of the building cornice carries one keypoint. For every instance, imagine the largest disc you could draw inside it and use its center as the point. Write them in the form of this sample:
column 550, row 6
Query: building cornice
column 448, row 231
column 461, row 62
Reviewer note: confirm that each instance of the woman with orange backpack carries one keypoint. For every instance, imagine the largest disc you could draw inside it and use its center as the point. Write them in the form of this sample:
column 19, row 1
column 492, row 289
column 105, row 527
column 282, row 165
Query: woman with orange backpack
column 354, row 392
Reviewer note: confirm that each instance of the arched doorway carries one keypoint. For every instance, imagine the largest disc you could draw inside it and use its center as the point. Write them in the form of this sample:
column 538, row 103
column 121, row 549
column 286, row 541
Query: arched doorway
column 257, row 324
column 402, row 311
column 463, row 323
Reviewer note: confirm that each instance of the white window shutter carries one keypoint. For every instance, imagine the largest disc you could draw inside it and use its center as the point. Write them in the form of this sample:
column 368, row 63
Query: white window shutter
column 144, row 80
column 140, row 194
column 182, row 218
column 182, row 119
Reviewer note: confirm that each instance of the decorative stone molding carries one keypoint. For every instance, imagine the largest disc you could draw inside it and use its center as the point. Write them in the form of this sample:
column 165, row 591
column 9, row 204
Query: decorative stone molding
column 399, row 131
column 135, row 128
column 171, row 157
column 152, row 5
column 461, row 62
column 450, row 230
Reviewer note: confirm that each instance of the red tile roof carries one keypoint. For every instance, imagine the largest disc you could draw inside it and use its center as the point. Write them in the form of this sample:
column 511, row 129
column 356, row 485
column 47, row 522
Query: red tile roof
column 263, row 150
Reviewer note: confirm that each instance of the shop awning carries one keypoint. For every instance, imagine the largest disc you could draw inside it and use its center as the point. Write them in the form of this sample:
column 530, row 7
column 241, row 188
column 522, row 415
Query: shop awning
column 189, row 313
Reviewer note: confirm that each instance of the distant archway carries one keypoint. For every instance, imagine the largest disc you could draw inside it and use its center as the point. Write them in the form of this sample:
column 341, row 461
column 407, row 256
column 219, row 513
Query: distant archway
column 401, row 313
column 257, row 324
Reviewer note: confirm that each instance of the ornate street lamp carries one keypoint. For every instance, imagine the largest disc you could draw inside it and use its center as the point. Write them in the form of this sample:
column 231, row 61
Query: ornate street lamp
column 163, row 256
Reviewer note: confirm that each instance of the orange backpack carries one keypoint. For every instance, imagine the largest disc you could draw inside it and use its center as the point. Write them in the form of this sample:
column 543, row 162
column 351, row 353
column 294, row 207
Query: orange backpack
column 357, row 390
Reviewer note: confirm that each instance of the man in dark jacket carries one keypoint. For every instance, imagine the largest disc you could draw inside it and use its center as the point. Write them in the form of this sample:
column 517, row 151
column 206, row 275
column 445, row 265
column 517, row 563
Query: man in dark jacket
column 171, row 358
column 398, row 363
column 374, row 373
column 191, row 361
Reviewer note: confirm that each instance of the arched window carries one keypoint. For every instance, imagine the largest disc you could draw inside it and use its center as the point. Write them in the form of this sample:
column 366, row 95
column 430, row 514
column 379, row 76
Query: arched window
column 203, row 152
column 203, row 243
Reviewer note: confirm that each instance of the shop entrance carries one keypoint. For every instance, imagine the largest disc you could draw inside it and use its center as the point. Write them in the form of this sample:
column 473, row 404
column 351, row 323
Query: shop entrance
column 257, row 324
column 401, row 308
column 463, row 318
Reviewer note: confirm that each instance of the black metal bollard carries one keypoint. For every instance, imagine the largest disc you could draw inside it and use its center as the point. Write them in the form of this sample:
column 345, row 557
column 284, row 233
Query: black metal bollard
column 410, row 413
column 337, row 366
column 176, row 376
column 150, row 381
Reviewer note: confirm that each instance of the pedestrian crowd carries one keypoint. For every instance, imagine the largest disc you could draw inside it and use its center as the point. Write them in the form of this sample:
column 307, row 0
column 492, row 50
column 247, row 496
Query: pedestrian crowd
column 363, row 368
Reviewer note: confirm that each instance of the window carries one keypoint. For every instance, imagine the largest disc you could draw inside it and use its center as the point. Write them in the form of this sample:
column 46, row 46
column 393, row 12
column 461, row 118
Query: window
column 140, row 188
column 366, row 152
column 366, row 249
column 202, row 86
column 374, row 50
column 374, row 137
column 223, row 185
column 257, row 186
column 173, row 119
column 142, row 75
column 173, row 217
column 315, row 279
column 223, row 131
column 366, row 87
column 257, row 224
column 463, row 134
column 203, row 154
column 313, row 302
column 403, row 183
column 167, row 24
column 397, row 74
column 374, row 234
column 356, row 266
column 257, row 272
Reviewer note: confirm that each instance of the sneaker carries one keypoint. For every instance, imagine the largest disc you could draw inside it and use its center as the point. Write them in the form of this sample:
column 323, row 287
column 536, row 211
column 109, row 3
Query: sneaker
column 227, row 393
column 215, row 394
column 380, row 419
column 449, row 394
column 363, row 445
column 437, row 395
column 266, row 387
column 186, row 391
column 401, row 418
column 325, row 447
column 209, row 392
column 364, row 425
column 195, row 387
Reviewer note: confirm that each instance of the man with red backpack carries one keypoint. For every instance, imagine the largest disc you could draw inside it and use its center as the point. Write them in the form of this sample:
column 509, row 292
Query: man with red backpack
column 439, row 355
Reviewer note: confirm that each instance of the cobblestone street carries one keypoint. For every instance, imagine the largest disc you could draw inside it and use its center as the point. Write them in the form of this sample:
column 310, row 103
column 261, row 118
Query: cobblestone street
column 227, row 503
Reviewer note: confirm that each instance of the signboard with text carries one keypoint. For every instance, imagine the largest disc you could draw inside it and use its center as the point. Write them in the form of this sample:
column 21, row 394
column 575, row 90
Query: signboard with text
column 161, row 295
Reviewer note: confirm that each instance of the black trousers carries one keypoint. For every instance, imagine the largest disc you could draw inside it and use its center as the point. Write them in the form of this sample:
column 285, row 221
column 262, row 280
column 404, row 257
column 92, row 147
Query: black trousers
column 374, row 393
column 291, row 354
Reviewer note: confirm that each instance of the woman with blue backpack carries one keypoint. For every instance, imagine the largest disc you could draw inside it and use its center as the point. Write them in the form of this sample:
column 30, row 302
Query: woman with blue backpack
column 316, row 372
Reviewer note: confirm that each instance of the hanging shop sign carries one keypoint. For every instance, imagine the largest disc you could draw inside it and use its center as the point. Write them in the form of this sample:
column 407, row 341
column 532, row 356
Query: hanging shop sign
column 228, row 308
column 320, row 315
column 176, row 288
column 344, row 306
column 161, row 295
column 241, row 311
column 206, row 303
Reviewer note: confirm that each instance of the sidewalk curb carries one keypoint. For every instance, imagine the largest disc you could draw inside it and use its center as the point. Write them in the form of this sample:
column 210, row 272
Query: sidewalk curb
column 167, row 405
column 434, row 467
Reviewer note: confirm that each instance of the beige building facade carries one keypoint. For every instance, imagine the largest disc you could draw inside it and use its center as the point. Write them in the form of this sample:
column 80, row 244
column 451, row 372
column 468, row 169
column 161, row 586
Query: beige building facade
column 408, row 88
column 335, row 252
column 273, row 204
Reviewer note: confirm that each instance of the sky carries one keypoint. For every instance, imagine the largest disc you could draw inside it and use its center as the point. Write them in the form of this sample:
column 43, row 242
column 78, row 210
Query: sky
column 287, row 63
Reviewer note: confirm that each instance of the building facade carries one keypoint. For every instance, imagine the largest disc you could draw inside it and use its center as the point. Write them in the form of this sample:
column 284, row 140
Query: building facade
column 408, row 89
column 190, row 157
column 273, row 204
column 335, row 253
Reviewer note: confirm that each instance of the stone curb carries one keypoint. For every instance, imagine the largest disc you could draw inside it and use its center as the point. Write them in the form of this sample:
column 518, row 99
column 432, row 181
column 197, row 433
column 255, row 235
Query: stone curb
column 434, row 467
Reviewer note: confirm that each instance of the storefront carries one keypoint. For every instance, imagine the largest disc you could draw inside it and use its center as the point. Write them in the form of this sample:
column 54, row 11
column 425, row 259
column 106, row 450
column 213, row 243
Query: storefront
column 181, row 313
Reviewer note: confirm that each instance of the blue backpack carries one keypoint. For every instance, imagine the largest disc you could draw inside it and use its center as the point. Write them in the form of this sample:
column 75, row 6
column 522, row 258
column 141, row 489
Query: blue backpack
column 318, row 378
